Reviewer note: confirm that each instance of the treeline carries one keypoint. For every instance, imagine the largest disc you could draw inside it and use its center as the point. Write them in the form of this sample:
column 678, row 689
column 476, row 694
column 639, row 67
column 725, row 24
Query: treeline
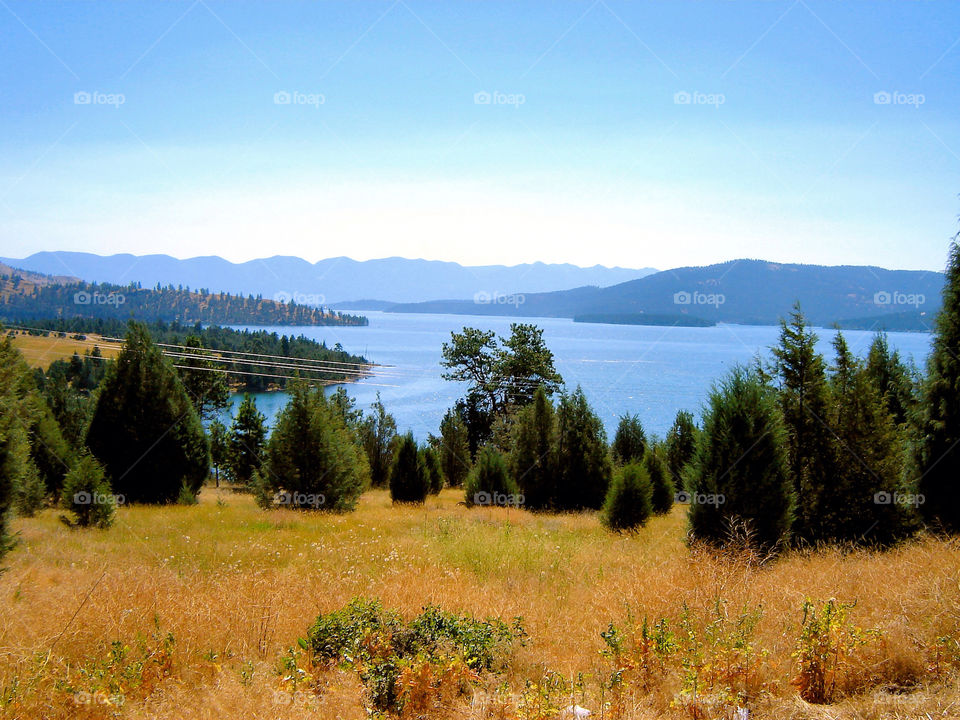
column 246, row 372
column 21, row 300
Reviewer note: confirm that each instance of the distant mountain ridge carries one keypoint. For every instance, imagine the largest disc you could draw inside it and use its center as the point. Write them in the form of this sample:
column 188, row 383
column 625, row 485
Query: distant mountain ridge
column 328, row 282
column 737, row 291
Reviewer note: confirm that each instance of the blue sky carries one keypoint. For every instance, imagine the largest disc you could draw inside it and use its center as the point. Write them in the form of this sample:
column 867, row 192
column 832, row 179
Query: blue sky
column 634, row 134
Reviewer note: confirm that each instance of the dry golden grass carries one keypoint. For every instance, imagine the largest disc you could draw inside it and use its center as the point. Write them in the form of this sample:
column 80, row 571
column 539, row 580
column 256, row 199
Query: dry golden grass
column 236, row 586
column 41, row 351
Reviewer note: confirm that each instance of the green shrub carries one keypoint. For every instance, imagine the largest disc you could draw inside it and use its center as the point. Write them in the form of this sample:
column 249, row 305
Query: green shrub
column 660, row 481
column 630, row 442
column 29, row 491
column 431, row 465
column 408, row 476
column 627, row 506
column 87, row 495
column 489, row 482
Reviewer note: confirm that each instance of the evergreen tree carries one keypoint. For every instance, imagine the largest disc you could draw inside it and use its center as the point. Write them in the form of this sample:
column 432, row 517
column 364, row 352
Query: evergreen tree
column 408, row 476
column 431, row 465
column 936, row 461
column 630, row 442
column 145, row 431
column 248, row 433
column 205, row 382
column 663, row 489
column 86, row 494
column 219, row 447
column 533, row 456
column 739, row 473
column 864, row 503
column 489, row 478
column 51, row 453
column 628, row 502
column 804, row 401
column 454, row 448
column 680, row 445
column 584, row 465
column 312, row 460
column 378, row 436
column 891, row 378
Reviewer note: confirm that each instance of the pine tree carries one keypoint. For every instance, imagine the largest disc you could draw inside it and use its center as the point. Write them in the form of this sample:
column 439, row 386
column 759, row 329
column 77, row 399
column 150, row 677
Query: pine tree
column 312, row 460
column 86, row 494
column 246, row 442
column 630, row 442
column 584, row 465
column 431, row 465
column 533, row 456
column 628, row 503
column 680, row 444
column 408, row 477
column 203, row 380
column 378, row 436
column 804, row 402
column 936, row 457
column 145, row 431
column 219, row 447
column 489, row 480
column 739, row 475
column 663, row 489
column 891, row 378
column 864, row 503
column 454, row 448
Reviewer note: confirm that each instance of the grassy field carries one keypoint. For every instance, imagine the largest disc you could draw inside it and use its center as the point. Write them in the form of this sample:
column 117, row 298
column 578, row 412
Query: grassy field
column 203, row 603
column 40, row 351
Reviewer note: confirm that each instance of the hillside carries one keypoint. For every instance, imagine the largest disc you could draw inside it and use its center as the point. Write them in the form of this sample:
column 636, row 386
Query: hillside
column 28, row 296
column 738, row 291
column 331, row 281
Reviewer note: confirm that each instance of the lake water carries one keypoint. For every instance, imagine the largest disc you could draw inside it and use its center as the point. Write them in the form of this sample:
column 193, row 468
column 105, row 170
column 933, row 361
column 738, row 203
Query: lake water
column 651, row 371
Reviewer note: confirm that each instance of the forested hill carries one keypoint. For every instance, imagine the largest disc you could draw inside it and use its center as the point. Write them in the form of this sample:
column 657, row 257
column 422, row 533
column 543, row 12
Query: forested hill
column 25, row 296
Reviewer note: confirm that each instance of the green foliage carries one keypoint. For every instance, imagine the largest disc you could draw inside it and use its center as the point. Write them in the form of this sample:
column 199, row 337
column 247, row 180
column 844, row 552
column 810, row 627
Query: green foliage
column 663, row 490
column 628, row 502
column 430, row 460
column 378, row 436
column 219, row 446
column 533, row 454
column 86, row 494
column 739, row 473
column 891, row 378
column 384, row 650
column 29, row 492
column 204, row 380
column 245, row 447
column 630, row 441
column 804, row 402
column 936, row 456
column 49, row 450
column 312, row 459
column 409, row 482
column 454, row 448
column 582, row 458
column 681, row 443
column 489, row 478
column 145, row 430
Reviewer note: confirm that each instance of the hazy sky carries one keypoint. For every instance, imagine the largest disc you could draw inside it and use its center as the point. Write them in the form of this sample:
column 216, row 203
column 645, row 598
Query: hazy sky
column 634, row 134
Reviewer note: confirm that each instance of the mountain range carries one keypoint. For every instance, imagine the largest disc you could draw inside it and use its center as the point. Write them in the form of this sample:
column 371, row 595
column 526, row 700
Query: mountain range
column 738, row 291
column 328, row 282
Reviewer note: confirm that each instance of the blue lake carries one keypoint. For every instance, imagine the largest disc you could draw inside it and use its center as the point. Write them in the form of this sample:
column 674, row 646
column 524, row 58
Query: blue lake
column 651, row 371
